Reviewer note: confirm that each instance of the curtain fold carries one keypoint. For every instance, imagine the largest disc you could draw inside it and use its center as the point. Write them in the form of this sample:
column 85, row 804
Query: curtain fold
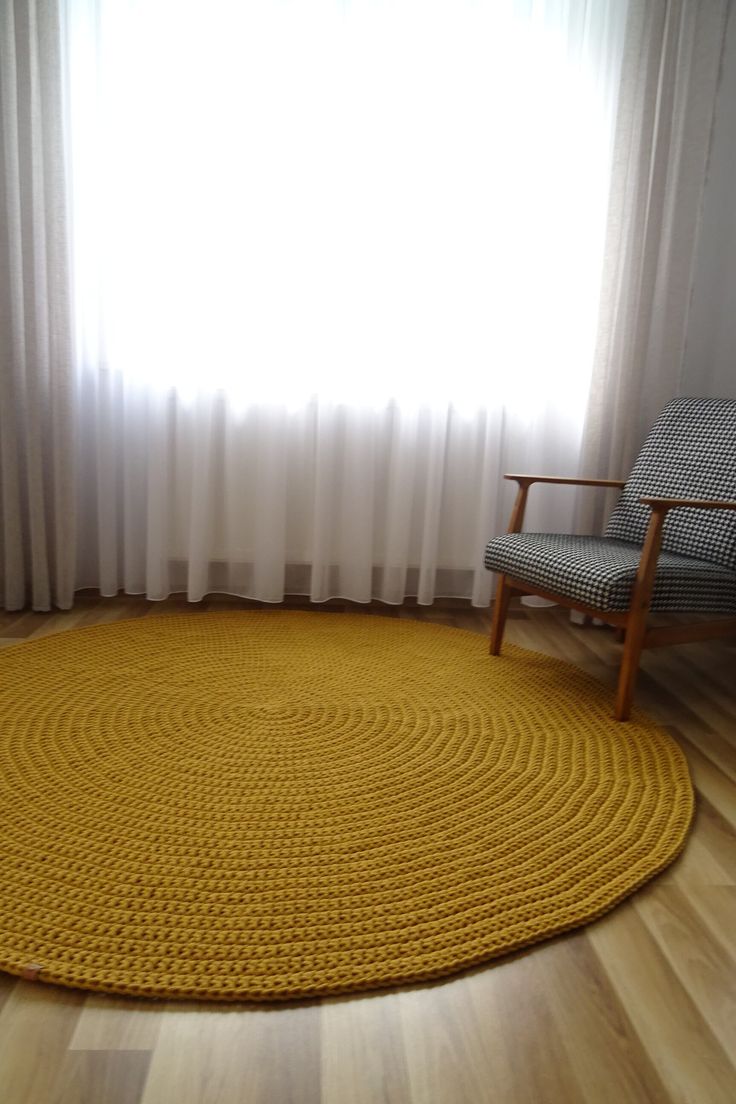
column 669, row 84
column 325, row 499
column 37, row 488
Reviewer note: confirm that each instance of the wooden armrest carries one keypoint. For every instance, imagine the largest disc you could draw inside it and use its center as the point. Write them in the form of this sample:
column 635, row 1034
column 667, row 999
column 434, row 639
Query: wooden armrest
column 664, row 504
column 527, row 480
column 653, row 540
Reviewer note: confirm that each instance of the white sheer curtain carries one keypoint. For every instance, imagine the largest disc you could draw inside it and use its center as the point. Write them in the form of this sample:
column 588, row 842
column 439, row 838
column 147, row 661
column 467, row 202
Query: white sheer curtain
column 37, row 379
column 661, row 154
column 337, row 266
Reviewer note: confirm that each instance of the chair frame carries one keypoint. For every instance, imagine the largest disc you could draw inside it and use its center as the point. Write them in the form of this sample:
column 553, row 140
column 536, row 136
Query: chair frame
column 632, row 623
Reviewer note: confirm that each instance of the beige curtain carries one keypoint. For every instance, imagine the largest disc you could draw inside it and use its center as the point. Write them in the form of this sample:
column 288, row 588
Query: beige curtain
column 665, row 119
column 36, row 378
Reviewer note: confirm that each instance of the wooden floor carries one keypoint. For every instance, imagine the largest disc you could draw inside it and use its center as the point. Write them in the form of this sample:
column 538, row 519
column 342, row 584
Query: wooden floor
column 639, row 1007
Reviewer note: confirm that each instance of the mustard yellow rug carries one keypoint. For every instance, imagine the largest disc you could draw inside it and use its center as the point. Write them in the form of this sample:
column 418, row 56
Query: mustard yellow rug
column 274, row 804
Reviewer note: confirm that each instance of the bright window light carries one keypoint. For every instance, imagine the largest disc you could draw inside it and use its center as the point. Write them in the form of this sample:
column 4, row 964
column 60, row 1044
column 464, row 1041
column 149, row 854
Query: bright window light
column 366, row 201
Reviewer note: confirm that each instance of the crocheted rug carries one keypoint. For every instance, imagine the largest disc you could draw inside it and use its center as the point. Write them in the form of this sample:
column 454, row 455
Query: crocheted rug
column 273, row 804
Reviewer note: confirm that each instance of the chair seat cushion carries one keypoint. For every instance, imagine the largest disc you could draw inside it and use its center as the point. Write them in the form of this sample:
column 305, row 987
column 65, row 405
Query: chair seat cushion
column 600, row 571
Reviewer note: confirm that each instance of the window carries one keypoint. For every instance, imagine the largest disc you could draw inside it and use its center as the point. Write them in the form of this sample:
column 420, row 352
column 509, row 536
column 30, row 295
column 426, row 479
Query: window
column 369, row 201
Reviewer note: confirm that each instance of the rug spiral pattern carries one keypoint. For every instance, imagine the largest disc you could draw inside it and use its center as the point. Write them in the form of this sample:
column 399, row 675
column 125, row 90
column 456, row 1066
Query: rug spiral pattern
column 274, row 804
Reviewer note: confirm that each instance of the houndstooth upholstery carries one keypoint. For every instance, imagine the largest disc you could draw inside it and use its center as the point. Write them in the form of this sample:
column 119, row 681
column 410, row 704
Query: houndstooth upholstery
column 600, row 572
column 690, row 452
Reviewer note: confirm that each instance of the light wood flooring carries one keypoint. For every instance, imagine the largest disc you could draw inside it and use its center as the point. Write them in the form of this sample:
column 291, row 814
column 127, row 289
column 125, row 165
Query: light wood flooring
column 639, row 1007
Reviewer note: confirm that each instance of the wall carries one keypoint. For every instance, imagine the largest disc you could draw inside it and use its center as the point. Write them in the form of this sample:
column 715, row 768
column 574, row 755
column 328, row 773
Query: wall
column 710, row 355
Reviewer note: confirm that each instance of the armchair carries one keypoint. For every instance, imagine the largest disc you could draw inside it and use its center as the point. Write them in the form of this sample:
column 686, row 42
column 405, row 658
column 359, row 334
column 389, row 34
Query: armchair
column 670, row 544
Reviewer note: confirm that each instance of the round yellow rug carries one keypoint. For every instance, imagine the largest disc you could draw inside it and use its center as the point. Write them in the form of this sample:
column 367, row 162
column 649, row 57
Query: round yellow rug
column 273, row 804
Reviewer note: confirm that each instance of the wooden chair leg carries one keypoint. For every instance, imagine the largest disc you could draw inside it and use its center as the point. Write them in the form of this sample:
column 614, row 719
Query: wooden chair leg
column 500, row 610
column 633, row 643
column 636, row 623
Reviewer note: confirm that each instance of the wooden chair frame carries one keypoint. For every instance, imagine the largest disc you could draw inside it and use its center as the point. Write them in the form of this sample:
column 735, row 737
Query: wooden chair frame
column 632, row 622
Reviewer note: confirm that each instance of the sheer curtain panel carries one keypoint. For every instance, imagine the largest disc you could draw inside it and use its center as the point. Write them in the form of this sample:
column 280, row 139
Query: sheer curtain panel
column 37, row 379
column 337, row 265
column 668, row 97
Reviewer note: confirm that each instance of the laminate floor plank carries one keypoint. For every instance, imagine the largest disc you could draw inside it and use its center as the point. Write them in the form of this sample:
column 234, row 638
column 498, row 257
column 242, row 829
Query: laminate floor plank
column 603, row 1047
column 690, row 1061
column 24, row 624
column 118, row 1023
column 702, row 964
column 363, row 1057
column 706, row 728
column 718, row 838
column 510, row 1035
column 209, row 1054
column 7, row 985
column 36, row 1026
column 696, row 867
column 716, row 906
column 54, row 623
column 101, row 1077
column 712, row 783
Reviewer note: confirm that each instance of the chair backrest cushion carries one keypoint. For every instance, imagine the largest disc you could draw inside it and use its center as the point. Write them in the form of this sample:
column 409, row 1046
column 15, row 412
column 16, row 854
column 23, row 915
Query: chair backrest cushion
column 690, row 452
